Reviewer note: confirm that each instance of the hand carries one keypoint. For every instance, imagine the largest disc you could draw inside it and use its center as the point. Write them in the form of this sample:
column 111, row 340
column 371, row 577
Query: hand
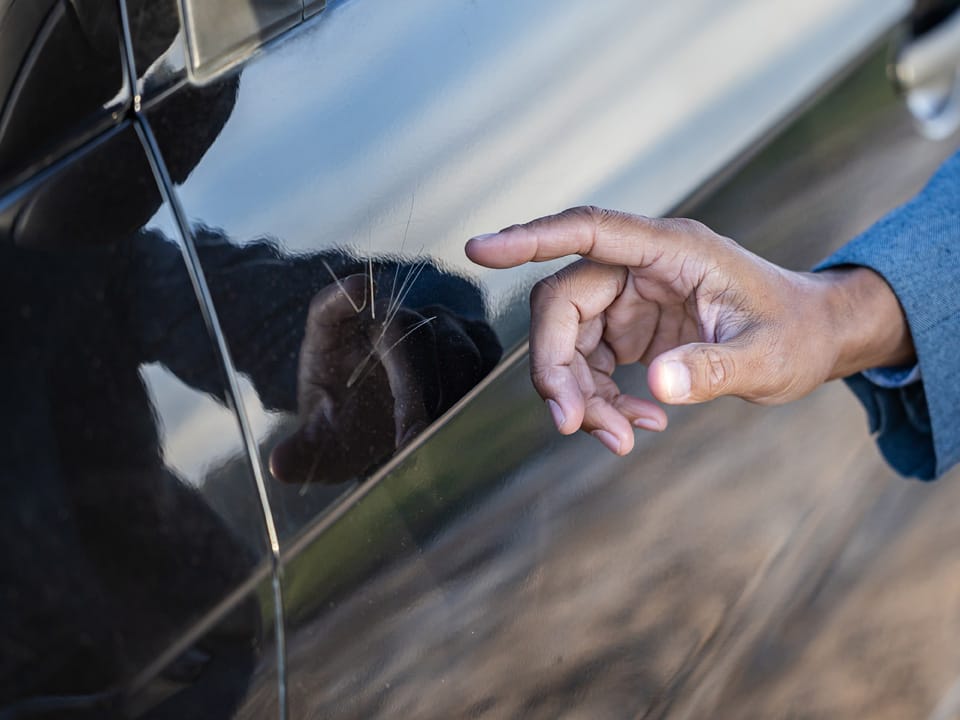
column 707, row 318
column 359, row 386
column 372, row 375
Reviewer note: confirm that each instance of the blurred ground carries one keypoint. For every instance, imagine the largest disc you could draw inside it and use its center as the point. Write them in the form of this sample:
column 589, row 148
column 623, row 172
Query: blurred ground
column 741, row 581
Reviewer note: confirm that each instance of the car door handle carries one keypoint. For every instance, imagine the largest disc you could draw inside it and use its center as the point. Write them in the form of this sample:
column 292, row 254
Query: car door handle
column 926, row 69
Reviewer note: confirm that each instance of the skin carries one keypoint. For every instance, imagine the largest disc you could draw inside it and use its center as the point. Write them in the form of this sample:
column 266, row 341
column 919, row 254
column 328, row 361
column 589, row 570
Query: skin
column 705, row 316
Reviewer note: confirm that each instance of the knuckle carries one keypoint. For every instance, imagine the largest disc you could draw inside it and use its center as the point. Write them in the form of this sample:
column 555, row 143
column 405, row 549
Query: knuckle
column 612, row 219
column 546, row 379
column 727, row 244
column 718, row 368
column 689, row 225
column 538, row 374
column 597, row 216
column 593, row 408
column 544, row 290
column 692, row 228
column 584, row 219
column 585, row 212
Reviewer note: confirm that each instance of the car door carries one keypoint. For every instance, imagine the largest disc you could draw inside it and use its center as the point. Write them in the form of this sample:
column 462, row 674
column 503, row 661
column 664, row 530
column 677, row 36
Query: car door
column 426, row 545
column 137, row 568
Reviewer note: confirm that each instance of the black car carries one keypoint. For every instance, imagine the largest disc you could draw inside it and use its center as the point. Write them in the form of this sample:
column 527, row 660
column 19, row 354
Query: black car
column 271, row 447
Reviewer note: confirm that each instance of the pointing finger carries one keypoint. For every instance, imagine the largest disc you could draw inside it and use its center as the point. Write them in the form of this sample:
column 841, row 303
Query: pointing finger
column 605, row 236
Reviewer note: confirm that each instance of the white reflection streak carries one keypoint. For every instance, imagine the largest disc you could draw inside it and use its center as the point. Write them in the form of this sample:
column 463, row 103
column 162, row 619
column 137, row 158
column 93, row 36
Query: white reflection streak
column 357, row 309
column 397, row 302
column 392, row 310
column 403, row 242
column 373, row 305
column 425, row 321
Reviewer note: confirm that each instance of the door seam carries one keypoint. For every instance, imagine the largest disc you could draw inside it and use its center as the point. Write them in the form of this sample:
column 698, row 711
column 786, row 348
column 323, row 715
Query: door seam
column 208, row 311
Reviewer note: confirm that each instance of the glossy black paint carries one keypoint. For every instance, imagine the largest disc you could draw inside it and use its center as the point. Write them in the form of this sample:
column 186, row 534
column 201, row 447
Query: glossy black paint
column 224, row 669
column 158, row 45
column 115, row 543
column 441, row 551
column 350, row 351
column 352, row 358
column 61, row 80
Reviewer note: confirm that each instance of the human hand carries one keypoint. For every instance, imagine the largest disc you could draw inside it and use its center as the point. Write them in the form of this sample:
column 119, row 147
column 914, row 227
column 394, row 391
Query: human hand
column 360, row 387
column 707, row 318
column 372, row 375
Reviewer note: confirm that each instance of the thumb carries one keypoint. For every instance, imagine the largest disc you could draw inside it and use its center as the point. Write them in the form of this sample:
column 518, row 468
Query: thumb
column 699, row 372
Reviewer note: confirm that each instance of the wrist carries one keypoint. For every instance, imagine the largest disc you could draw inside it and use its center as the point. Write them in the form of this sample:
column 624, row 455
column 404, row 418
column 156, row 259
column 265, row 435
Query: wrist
column 868, row 324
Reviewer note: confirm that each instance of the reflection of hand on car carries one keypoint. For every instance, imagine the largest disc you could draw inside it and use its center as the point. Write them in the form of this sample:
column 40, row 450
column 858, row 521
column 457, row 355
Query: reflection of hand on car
column 357, row 391
column 372, row 374
column 706, row 316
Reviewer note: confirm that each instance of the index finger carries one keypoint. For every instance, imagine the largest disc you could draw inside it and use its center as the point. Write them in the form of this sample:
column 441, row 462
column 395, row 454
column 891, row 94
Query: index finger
column 605, row 236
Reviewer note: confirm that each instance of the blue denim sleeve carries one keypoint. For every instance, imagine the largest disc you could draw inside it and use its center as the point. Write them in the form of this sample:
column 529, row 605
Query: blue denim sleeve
column 916, row 249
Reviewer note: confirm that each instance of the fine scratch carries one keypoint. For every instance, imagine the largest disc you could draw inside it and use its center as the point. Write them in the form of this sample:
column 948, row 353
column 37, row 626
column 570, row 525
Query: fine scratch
column 357, row 309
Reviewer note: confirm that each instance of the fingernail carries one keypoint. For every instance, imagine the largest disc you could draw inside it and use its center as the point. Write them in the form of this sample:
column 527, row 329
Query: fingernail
column 607, row 439
column 558, row 417
column 648, row 424
column 676, row 380
column 481, row 238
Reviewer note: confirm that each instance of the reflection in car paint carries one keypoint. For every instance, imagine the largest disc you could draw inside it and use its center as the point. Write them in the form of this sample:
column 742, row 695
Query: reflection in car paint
column 375, row 369
column 124, row 554
column 495, row 569
column 157, row 44
column 61, row 80
column 109, row 555
column 354, row 356
column 216, row 672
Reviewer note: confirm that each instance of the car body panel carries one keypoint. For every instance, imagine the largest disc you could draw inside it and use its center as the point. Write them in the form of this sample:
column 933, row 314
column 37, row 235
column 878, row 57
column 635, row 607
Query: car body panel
column 223, row 667
column 62, row 81
column 748, row 562
column 121, row 528
column 158, row 46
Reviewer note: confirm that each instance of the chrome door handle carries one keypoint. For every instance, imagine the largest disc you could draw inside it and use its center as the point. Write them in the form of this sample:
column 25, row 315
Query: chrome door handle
column 927, row 71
